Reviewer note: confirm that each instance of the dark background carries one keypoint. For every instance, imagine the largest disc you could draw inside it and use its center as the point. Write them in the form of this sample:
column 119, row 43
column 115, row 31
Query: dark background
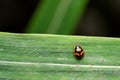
column 101, row 17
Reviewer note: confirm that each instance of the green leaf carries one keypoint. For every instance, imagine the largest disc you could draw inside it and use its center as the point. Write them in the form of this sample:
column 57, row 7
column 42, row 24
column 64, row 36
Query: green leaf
column 50, row 57
column 57, row 16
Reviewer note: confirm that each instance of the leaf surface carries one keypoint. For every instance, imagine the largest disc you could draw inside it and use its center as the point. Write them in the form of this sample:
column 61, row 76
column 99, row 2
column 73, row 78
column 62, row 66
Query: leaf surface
column 46, row 56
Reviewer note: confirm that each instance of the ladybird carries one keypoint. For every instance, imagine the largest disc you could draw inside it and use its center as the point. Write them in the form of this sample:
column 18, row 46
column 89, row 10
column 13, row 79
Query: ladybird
column 78, row 52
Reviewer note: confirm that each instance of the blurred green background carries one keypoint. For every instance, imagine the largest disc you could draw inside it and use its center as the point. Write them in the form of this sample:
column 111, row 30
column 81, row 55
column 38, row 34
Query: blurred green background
column 70, row 17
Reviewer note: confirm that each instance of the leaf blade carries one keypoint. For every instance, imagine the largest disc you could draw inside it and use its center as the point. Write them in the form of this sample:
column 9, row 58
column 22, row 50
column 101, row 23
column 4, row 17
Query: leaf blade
column 44, row 56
